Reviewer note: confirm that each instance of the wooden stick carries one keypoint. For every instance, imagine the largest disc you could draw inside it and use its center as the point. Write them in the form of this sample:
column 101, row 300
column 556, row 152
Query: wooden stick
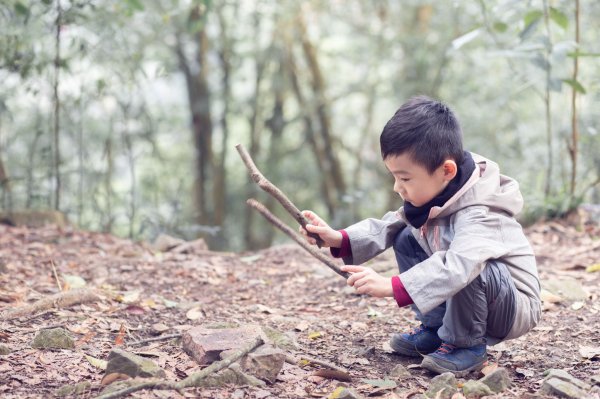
column 270, row 188
column 56, row 275
column 155, row 339
column 63, row 299
column 295, row 236
column 192, row 380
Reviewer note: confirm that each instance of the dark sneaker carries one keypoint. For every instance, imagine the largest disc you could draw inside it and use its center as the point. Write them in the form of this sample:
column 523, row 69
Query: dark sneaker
column 459, row 361
column 420, row 341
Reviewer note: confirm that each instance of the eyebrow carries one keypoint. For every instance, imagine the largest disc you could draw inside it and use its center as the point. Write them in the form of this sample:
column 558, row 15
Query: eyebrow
column 399, row 172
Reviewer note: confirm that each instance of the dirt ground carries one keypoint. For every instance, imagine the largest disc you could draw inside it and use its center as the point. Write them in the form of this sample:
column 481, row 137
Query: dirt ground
column 148, row 294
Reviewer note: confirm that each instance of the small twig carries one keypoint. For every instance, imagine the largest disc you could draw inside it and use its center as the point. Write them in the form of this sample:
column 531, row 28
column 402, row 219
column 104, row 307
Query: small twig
column 295, row 236
column 297, row 359
column 161, row 338
column 270, row 188
column 192, row 380
column 56, row 275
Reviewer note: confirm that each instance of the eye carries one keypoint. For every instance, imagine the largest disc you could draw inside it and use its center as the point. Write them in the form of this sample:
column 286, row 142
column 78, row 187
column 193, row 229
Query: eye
column 405, row 180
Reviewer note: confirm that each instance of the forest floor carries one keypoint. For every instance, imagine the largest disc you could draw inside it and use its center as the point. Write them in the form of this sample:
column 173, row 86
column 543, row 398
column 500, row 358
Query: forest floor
column 149, row 294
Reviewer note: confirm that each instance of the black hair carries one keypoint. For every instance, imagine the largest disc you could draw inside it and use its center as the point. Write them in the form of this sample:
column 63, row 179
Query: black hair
column 427, row 130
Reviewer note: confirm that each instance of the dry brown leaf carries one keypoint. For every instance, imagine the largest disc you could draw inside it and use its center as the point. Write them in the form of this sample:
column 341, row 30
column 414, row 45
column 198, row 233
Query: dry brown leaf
column 489, row 368
column 333, row 375
column 120, row 340
column 112, row 377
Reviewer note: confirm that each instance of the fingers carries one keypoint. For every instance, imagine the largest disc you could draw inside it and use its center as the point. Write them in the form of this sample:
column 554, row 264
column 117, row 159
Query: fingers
column 314, row 218
column 353, row 269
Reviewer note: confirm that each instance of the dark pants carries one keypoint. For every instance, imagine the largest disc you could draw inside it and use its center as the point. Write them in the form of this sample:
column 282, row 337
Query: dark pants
column 482, row 311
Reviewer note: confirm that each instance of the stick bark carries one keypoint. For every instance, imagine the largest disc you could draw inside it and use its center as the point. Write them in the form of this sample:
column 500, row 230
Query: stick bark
column 295, row 236
column 61, row 300
column 273, row 190
column 192, row 380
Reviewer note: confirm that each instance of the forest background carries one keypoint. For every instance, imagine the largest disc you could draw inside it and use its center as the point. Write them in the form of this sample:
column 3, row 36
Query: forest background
column 124, row 114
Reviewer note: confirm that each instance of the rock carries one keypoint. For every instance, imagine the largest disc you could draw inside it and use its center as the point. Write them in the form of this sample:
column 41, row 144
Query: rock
column 265, row 363
column 120, row 361
column 204, row 345
column 398, row 372
column 4, row 350
column 567, row 288
column 476, row 389
column 344, row 393
column 233, row 375
column 563, row 375
column 165, row 243
column 279, row 339
column 442, row 386
column 56, row 338
column 596, row 379
column 562, row 389
column 77, row 389
column 498, row 380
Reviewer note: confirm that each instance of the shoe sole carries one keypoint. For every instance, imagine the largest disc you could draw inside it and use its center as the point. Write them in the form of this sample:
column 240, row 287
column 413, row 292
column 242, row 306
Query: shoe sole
column 431, row 365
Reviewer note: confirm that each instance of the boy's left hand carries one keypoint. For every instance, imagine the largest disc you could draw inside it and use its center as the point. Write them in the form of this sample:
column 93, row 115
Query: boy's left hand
column 367, row 281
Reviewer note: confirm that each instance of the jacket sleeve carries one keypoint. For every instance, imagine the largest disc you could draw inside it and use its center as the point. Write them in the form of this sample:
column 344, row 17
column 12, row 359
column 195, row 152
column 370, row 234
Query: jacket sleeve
column 370, row 237
column 477, row 238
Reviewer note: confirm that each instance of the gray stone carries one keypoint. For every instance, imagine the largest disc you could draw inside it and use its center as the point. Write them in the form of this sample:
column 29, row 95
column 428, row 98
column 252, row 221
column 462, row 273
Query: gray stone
column 563, row 375
column 120, row 361
column 398, row 372
column 165, row 243
column 476, row 389
column 56, row 338
column 205, row 345
column 279, row 339
column 596, row 379
column 233, row 375
column 562, row 389
column 77, row 389
column 498, row 380
column 567, row 288
column 265, row 363
column 4, row 350
column 442, row 386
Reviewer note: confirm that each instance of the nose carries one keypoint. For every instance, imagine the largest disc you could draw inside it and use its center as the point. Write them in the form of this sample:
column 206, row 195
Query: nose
column 398, row 188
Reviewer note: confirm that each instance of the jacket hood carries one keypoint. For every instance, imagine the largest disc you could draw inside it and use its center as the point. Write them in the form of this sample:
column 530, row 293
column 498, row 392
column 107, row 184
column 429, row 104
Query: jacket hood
column 486, row 187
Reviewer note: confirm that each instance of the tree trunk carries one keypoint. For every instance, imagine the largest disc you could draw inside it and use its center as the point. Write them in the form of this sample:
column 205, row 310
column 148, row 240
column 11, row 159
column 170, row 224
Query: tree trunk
column 220, row 191
column 332, row 164
column 574, row 127
column 200, row 104
column 108, row 223
column 250, row 240
column 57, row 160
column 320, row 157
column 5, row 182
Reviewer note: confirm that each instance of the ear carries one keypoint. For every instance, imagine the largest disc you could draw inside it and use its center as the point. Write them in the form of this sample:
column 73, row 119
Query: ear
column 450, row 169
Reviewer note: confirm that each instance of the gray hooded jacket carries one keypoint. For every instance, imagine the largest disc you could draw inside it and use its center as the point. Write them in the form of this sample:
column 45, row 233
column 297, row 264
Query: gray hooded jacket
column 474, row 226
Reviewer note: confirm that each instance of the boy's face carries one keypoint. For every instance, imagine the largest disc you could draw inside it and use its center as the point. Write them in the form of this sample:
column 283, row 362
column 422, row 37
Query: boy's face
column 414, row 183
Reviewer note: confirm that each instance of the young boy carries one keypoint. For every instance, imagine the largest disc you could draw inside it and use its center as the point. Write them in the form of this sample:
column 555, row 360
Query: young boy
column 466, row 267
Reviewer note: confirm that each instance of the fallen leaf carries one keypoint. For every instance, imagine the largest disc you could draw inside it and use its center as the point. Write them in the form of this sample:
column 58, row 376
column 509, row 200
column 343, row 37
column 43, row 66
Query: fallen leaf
column 525, row 372
column 577, row 305
column 112, row 377
column 128, row 297
column 73, row 281
column 98, row 363
column 302, row 326
column 489, row 368
column 593, row 268
column 160, row 327
column 315, row 335
column 589, row 352
column 549, row 297
column 194, row 313
column 135, row 309
column 333, row 375
column 121, row 336
column 374, row 313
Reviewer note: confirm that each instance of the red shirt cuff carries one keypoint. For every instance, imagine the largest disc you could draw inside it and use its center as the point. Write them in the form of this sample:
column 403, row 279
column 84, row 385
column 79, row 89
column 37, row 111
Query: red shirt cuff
column 344, row 251
column 400, row 294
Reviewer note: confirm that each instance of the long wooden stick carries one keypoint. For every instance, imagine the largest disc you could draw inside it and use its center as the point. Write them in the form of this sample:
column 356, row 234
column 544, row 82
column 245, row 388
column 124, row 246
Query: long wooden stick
column 295, row 236
column 193, row 380
column 273, row 190
column 61, row 300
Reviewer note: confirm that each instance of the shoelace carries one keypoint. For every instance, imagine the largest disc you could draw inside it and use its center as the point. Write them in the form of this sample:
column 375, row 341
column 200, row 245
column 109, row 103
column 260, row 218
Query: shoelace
column 446, row 348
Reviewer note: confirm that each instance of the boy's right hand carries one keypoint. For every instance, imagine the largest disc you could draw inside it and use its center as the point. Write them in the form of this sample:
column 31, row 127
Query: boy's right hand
column 330, row 237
